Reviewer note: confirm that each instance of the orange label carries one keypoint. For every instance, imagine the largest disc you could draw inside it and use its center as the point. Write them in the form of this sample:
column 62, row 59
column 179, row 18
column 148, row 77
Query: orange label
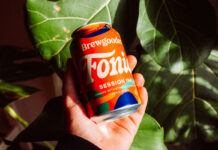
column 104, row 73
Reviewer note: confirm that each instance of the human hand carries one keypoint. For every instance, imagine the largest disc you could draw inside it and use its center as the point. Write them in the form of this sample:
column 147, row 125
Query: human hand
column 116, row 135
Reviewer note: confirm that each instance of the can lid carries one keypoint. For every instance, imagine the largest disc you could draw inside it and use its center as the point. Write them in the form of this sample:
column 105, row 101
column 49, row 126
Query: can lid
column 89, row 28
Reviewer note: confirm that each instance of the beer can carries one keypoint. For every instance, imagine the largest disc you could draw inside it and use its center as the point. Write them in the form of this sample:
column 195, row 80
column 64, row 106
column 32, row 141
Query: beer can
column 105, row 78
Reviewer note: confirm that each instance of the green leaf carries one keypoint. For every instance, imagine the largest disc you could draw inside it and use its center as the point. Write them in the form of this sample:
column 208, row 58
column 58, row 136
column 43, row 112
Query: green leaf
column 177, row 34
column 52, row 23
column 150, row 135
column 185, row 104
column 19, row 64
column 47, row 126
column 10, row 93
column 125, row 22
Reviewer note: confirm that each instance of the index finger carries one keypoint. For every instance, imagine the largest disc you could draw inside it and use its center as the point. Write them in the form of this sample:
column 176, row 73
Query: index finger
column 70, row 91
column 69, row 86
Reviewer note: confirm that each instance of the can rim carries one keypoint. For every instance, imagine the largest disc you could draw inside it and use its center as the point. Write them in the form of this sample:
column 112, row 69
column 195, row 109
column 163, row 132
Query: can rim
column 77, row 30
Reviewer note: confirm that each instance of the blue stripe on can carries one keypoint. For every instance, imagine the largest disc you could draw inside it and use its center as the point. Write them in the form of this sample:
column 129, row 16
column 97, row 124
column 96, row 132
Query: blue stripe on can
column 99, row 32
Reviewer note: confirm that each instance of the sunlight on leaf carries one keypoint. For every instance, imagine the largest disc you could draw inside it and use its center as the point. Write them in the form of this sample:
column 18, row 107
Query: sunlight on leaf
column 177, row 40
column 52, row 23
column 150, row 135
column 186, row 103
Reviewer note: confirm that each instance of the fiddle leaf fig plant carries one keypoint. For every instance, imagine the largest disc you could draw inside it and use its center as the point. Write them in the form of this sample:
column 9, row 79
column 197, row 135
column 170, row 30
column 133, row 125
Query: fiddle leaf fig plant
column 177, row 34
column 178, row 59
column 185, row 103
column 178, row 38
column 52, row 23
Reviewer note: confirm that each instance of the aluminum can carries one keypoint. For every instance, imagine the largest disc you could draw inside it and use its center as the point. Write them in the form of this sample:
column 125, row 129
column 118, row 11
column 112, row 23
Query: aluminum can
column 105, row 78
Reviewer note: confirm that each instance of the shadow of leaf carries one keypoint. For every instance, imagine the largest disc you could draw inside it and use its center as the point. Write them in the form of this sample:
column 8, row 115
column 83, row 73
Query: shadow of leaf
column 10, row 93
column 20, row 64
column 184, row 103
column 47, row 126
column 180, row 30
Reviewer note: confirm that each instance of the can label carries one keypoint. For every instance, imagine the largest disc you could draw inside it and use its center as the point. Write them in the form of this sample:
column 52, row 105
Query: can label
column 105, row 77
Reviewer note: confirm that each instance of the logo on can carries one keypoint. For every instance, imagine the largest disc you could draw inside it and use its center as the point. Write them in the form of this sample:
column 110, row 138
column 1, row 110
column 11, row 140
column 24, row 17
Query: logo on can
column 105, row 78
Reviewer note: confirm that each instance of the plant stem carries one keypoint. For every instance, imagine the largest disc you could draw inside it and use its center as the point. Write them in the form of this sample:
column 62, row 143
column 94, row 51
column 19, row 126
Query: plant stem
column 16, row 116
column 51, row 147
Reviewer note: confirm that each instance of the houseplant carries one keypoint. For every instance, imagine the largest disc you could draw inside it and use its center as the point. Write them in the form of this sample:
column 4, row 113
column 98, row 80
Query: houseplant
column 178, row 58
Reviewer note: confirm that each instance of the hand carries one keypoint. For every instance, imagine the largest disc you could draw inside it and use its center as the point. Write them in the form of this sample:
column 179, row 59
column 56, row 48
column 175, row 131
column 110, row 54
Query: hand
column 116, row 135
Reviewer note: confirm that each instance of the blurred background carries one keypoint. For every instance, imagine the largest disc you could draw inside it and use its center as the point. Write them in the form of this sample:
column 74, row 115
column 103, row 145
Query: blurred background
column 14, row 34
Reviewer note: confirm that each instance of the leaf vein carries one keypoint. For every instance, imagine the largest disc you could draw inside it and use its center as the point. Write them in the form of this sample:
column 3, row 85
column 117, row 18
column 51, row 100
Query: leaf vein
column 167, row 91
column 173, row 25
column 207, row 103
column 182, row 97
column 95, row 13
column 155, row 26
column 169, row 48
column 37, row 12
column 58, row 18
column 153, row 77
column 187, row 26
column 193, row 96
column 148, row 30
column 60, row 49
column 210, row 70
column 109, row 14
column 47, row 41
column 183, row 108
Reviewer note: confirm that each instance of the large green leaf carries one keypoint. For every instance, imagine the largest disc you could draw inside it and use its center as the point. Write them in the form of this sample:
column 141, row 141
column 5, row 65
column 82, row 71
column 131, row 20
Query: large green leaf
column 186, row 103
column 19, row 64
column 52, row 23
column 125, row 22
column 177, row 34
column 47, row 126
column 10, row 93
column 150, row 135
